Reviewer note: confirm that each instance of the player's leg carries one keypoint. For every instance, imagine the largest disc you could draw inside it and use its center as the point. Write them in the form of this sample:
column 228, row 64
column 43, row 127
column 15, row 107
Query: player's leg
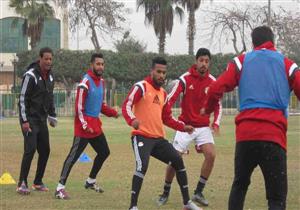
column 165, row 152
column 30, row 142
column 180, row 143
column 100, row 146
column 43, row 149
column 79, row 144
column 245, row 160
column 142, row 149
column 204, row 143
column 274, row 168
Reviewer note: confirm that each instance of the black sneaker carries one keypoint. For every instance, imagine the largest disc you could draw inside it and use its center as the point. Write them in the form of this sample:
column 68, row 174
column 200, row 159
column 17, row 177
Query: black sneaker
column 199, row 198
column 162, row 199
column 93, row 186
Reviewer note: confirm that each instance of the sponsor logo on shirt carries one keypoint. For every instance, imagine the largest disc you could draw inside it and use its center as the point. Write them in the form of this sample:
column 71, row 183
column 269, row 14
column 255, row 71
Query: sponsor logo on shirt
column 191, row 87
column 156, row 100
column 206, row 90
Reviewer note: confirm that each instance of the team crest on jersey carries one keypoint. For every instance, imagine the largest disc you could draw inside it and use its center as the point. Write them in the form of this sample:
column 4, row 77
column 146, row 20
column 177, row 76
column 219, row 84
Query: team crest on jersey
column 140, row 144
column 191, row 87
column 156, row 100
column 206, row 90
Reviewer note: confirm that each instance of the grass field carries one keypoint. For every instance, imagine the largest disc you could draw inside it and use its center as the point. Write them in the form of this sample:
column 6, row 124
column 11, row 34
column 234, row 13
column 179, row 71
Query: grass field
column 116, row 174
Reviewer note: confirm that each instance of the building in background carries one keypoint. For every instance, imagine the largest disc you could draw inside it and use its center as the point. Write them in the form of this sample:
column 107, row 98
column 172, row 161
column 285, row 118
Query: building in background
column 12, row 40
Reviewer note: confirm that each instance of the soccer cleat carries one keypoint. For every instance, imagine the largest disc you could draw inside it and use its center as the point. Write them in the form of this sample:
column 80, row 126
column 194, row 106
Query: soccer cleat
column 93, row 186
column 191, row 206
column 40, row 187
column 134, row 208
column 23, row 189
column 162, row 199
column 199, row 198
column 61, row 194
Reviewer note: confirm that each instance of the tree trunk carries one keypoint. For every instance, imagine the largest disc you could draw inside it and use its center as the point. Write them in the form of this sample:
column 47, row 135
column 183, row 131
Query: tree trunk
column 191, row 31
column 244, row 49
column 68, row 103
column 94, row 37
column 33, row 36
column 65, row 29
column 113, row 91
column 234, row 41
column 162, row 41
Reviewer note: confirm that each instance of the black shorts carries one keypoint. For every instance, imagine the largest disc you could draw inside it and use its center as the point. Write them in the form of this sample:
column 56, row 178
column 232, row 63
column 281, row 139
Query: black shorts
column 159, row 148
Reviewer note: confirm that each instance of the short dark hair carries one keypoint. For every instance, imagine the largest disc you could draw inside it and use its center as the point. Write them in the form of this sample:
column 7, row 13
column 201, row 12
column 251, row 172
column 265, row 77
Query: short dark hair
column 96, row 55
column 45, row 50
column 203, row 52
column 158, row 60
column 261, row 35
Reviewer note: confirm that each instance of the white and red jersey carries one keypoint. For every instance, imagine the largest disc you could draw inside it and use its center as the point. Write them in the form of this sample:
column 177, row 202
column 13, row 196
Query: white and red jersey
column 194, row 87
column 258, row 123
column 135, row 95
column 82, row 121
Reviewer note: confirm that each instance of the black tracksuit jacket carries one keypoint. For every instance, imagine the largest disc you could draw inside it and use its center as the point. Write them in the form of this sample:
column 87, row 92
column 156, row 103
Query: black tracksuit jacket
column 36, row 99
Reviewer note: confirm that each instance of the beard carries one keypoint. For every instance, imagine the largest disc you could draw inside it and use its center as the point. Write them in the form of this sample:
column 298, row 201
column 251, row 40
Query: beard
column 202, row 70
column 159, row 83
column 98, row 73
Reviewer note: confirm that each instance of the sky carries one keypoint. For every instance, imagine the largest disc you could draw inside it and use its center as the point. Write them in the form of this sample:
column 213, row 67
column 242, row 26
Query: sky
column 177, row 42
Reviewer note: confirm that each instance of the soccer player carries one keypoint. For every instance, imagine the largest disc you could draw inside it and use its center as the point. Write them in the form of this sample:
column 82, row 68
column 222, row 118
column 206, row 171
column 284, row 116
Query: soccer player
column 35, row 106
column 87, row 126
column 145, row 110
column 193, row 85
column 265, row 78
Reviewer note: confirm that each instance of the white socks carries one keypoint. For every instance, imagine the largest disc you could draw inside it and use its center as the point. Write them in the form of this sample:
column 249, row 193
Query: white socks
column 90, row 181
column 60, row 186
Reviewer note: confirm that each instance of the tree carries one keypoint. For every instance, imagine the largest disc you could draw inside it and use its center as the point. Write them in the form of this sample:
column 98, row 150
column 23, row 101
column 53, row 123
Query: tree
column 160, row 14
column 191, row 6
column 287, row 27
column 35, row 12
column 237, row 23
column 100, row 17
column 129, row 45
column 233, row 23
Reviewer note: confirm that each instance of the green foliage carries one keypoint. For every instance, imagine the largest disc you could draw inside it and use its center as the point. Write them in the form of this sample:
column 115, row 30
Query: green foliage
column 296, row 59
column 219, row 63
column 125, row 68
column 130, row 45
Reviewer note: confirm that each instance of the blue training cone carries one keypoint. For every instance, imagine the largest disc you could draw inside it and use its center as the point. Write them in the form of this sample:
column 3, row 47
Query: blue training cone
column 84, row 158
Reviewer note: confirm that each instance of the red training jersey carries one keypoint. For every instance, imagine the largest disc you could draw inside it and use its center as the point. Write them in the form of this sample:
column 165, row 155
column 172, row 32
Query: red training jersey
column 260, row 123
column 82, row 121
column 194, row 88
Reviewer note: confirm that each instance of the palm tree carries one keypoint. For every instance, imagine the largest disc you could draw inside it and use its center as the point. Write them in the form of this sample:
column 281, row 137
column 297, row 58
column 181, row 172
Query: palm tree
column 35, row 14
column 160, row 14
column 191, row 6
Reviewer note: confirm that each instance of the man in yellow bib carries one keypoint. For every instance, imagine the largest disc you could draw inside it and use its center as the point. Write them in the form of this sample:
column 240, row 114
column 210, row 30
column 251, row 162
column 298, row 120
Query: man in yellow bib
column 145, row 110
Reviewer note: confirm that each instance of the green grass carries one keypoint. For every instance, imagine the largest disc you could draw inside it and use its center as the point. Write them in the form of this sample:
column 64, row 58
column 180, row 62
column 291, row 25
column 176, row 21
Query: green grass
column 116, row 174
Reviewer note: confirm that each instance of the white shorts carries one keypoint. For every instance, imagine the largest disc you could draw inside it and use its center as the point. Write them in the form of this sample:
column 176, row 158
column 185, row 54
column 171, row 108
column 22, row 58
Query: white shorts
column 200, row 136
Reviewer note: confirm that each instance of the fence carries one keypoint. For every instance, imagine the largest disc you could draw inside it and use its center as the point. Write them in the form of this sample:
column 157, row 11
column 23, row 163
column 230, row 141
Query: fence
column 64, row 102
